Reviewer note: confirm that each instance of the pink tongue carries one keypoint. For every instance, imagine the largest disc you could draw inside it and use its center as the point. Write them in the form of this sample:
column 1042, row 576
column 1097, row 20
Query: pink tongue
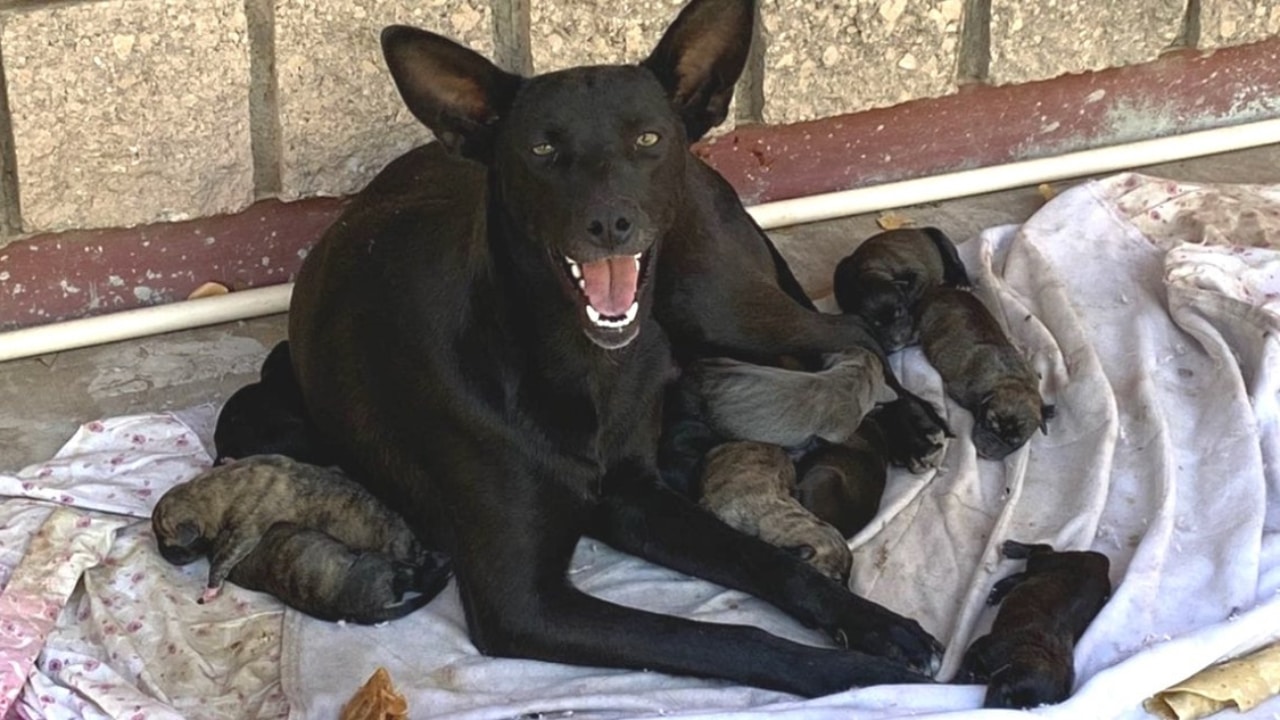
column 610, row 284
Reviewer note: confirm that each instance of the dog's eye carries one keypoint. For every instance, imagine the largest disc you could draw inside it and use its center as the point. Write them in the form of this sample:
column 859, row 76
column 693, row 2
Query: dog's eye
column 543, row 149
column 648, row 139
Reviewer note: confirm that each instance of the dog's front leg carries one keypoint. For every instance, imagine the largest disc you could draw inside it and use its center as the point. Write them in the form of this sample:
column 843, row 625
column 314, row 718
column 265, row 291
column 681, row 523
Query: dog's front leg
column 512, row 573
column 640, row 516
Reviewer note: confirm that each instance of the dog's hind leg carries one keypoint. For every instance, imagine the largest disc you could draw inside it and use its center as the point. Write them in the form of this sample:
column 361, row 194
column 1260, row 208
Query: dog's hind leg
column 269, row 417
column 646, row 519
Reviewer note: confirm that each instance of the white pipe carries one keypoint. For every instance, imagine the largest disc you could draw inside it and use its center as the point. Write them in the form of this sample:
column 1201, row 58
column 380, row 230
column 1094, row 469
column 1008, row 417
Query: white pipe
column 141, row 322
column 244, row 304
column 1019, row 174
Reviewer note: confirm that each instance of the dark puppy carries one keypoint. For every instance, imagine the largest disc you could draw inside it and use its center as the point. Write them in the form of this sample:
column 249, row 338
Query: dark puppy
column 982, row 371
column 1027, row 659
column 749, row 485
column 842, row 484
column 267, row 417
column 486, row 334
column 225, row 511
column 887, row 275
column 312, row 572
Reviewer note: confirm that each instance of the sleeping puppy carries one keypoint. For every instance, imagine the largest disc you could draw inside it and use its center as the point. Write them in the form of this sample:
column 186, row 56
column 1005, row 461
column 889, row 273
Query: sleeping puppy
column 741, row 401
column 312, row 572
column 748, row 485
column 225, row 512
column 982, row 371
column 842, row 484
column 886, row 276
column 1027, row 659
column 268, row 417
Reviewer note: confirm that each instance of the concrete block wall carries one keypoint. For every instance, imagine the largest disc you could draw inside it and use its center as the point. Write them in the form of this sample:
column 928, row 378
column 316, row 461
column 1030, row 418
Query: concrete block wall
column 116, row 113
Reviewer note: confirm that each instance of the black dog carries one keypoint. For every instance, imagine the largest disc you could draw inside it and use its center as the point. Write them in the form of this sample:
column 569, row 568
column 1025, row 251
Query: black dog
column 267, row 418
column 886, row 276
column 1027, row 659
column 484, row 336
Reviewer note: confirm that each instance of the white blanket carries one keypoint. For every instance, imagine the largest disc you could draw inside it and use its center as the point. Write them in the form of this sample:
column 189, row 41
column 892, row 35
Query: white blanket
column 1160, row 352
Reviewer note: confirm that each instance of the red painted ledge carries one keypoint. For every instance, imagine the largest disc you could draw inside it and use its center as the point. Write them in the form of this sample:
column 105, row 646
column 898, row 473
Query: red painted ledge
column 46, row 278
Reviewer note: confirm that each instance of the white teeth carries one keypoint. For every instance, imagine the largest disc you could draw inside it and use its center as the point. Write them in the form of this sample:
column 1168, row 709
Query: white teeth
column 636, row 257
column 613, row 323
column 573, row 268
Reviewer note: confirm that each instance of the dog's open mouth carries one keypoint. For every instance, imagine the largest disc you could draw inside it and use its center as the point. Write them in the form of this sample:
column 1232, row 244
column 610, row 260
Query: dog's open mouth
column 609, row 289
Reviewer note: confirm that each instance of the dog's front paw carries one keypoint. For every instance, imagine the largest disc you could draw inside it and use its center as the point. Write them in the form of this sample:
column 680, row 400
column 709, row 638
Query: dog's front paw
column 896, row 638
column 915, row 435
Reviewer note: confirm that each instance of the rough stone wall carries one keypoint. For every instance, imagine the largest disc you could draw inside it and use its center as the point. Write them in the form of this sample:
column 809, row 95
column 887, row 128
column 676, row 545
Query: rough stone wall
column 122, row 112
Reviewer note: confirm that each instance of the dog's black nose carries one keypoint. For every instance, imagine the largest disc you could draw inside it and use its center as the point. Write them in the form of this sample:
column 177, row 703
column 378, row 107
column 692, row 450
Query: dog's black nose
column 610, row 229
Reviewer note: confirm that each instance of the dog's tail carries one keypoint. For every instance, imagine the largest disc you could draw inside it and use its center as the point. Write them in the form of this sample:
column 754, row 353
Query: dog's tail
column 953, row 270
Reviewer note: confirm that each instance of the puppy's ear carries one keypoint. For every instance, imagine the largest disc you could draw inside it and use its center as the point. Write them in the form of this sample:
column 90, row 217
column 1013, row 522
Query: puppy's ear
column 804, row 552
column 186, row 534
column 983, row 404
column 1047, row 413
column 700, row 58
column 452, row 90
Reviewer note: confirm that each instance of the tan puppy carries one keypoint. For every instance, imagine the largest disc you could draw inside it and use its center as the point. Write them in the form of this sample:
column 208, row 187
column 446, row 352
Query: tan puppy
column 748, row 485
column 982, row 371
column 886, row 276
column 225, row 512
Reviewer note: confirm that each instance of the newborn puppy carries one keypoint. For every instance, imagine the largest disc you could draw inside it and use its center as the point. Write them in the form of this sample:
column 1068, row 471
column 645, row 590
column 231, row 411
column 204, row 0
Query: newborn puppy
column 741, row 401
column 748, row 485
column 842, row 484
column 268, row 417
column 314, row 573
column 1027, row 657
column 982, row 371
column 888, row 274
column 225, row 512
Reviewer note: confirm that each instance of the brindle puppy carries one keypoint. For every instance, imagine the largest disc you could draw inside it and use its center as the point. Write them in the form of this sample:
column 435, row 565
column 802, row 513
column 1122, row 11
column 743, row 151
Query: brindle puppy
column 886, row 276
column 226, row 511
column 1027, row 657
column 314, row 573
column 842, row 484
column 741, row 401
column 749, row 484
column 982, row 371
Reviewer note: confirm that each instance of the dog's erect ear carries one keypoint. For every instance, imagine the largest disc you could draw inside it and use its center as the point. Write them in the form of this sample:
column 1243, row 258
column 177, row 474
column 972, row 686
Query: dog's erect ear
column 453, row 90
column 700, row 58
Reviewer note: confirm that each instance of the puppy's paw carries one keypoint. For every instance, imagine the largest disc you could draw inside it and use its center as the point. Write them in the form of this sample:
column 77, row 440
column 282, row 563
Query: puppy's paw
column 915, row 435
column 209, row 595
